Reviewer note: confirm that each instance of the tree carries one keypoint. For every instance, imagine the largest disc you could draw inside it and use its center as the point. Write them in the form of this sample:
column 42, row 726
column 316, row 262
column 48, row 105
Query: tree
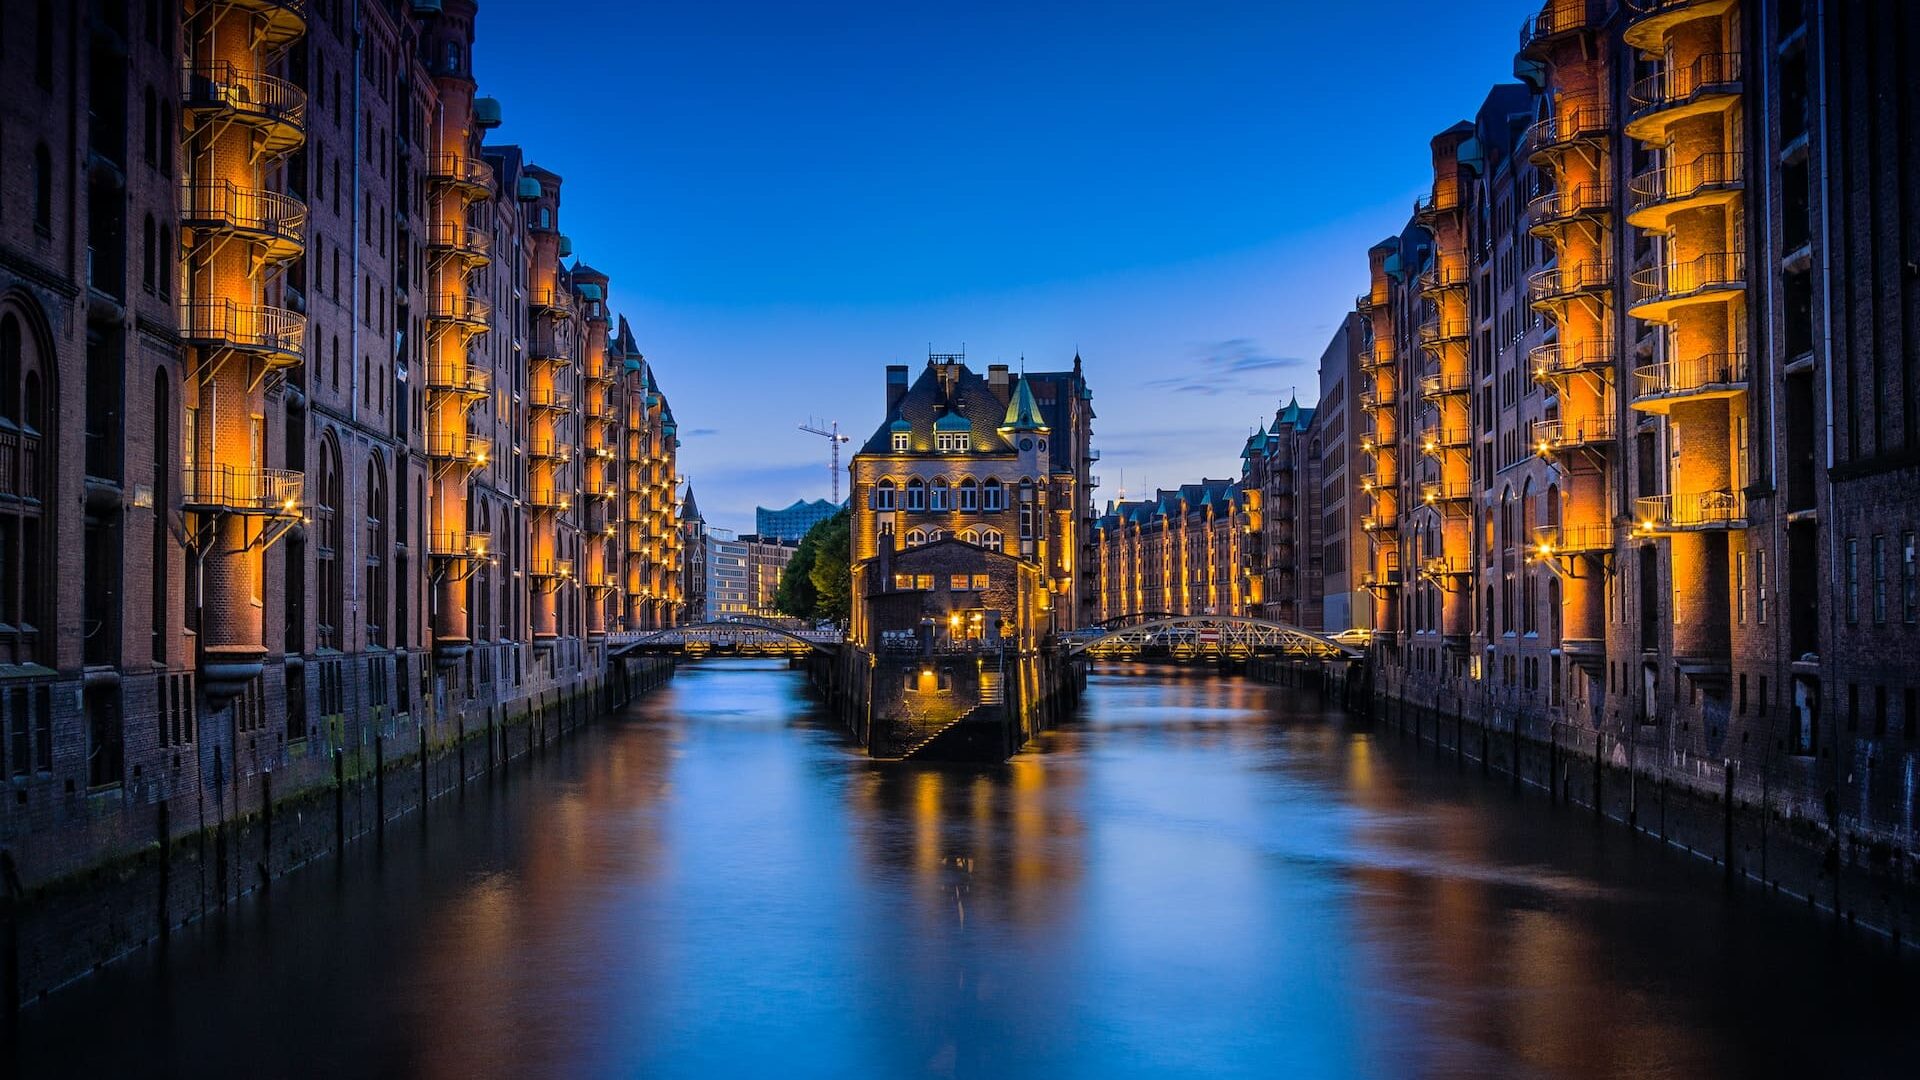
column 832, row 570
column 795, row 595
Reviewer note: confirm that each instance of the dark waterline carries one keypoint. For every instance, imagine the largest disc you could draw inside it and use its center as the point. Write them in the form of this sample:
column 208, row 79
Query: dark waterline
column 1200, row 876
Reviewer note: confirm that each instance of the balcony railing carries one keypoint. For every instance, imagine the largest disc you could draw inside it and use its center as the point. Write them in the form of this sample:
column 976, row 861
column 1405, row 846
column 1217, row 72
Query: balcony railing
column 547, row 346
column 463, row 378
column 242, row 490
column 1552, row 361
column 1570, row 280
column 459, row 309
column 552, row 300
column 1551, row 435
column 1435, row 438
column 459, row 238
column 276, row 334
column 1709, row 74
column 550, row 568
column 1379, row 524
column 1436, row 329
column 550, row 400
column 1569, row 203
column 276, row 23
column 275, row 108
column 550, row 498
column 1441, row 199
column 471, row 544
column 1574, row 121
column 463, row 171
column 268, row 217
column 1379, row 397
column 550, row 448
column 1557, row 19
column 1375, row 357
column 1571, row 539
column 1445, row 385
column 1447, row 566
column 457, row 446
column 1440, row 276
column 1713, row 375
column 1674, row 187
column 1657, row 288
column 1691, row 510
column 1446, row 490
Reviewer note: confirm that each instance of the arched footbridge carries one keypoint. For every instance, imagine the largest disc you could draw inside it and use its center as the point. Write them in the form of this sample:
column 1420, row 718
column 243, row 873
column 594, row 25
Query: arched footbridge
column 740, row 637
column 1212, row 637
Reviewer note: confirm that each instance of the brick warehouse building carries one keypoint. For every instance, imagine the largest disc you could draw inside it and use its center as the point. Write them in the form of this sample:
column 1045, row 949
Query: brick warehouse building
column 310, row 439
column 1637, row 395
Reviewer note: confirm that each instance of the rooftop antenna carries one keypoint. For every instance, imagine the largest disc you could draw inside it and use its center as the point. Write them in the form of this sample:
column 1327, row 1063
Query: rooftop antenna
column 830, row 431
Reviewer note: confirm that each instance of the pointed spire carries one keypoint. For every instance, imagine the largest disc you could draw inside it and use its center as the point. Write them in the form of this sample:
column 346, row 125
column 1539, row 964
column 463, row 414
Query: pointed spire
column 1023, row 412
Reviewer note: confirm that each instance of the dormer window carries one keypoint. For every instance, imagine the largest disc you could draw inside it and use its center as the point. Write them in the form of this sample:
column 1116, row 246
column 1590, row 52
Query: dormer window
column 952, row 442
column 900, row 439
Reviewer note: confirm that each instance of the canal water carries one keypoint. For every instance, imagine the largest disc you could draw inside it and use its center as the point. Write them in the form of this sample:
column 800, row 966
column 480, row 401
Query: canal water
column 1199, row 876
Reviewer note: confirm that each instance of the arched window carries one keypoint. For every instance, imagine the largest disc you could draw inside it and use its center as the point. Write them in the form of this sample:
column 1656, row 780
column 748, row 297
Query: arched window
column 916, row 537
column 883, row 494
column 1552, row 508
column 373, row 604
column 942, row 496
column 916, row 494
column 1506, row 518
column 995, row 496
column 330, row 514
column 26, row 453
column 969, row 494
column 970, row 536
column 42, row 188
column 992, row 539
column 936, row 534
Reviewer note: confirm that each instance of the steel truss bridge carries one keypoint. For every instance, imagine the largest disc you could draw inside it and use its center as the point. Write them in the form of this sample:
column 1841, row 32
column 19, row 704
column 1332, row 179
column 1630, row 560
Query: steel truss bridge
column 1195, row 637
column 740, row 637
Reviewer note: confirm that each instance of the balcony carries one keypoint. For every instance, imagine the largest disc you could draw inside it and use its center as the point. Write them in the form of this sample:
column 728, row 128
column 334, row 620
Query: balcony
column 600, row 487
column 551, row 569
column 1711, row 278
column 460, row 240
column 1555, row 21
column 547, row 399
column 1565, row 539
column 1708, row 180
column 551, row 300
column 242, row 490
column 1378, row 580
column 1447, row 566
column 1445, row 385
column 275, row 23
column 1581, row 202
column 1659, row 386
column 464, row 379
column 1384, row 475
column 1440, row 277
column 1553, row 436
column 457, row 447
column 1652, row 20
column 550, row 499
column 1694, row 511
column 1561, row 360
column 1560, row 284
column 467, row 313
column 1437, row 492
column 1380, row 396
column 273, row 109
column 1710, row 83
column 469, row 176
column 471, row 544
column 273, row 335
column 1375, row 358
column 1443, row 199
column 276, row 223
column 549, row 449
column 1574, row 123
column 1437, row 330
column 549, row 347
column 1436, row 439
column 1379, row 525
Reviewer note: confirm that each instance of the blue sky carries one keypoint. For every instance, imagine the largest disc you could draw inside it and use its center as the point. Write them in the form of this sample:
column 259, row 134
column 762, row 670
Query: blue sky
column 789, row 196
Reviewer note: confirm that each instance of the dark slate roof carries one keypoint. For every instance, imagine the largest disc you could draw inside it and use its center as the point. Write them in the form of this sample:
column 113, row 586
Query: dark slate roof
column 927, row 399
column 690, row 510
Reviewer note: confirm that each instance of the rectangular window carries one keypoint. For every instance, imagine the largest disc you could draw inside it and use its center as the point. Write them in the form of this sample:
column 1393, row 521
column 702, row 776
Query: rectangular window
column 900, row 442
column 958, row 582
column 1740, row 588
column 1879, row 580
column 923, row 581
column 980, row 582
column 1853, row 581
column 883, row 497
column 996, row 500
column 969, row 496
column 1760, row 584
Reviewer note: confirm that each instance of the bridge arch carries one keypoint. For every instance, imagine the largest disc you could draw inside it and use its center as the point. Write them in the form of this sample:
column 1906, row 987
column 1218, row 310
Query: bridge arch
column 1205, row 635
column 744, row 634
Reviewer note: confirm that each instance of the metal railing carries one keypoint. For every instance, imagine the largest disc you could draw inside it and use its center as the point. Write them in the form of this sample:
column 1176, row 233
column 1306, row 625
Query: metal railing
column 1435, row 329
column 1553, row 283
column 1593, row 197
column 549, row 447
column 458, row 236
column 1691, row 510
column 1596, row 536
column 550, row 298
column 1445, row 384
column 222, row 204
column 550, row 568
column 548, row 398
column 1439, row 200
column 251, row 327
column 1379, row 397
column 1451, row 490
column 1672, row 281
column 459, row 308
column 1556, row 18
column 462, row 169
column 470, row 544
column 245, row 93
column 243, row 489
column 1677, row 378
column 549, row 498
column 1724, row 170
column 1573, row 121
column 1435, row 437
column 457, row 446
column 463, row 378
column 1440, row 276
column 1551, row 435
column 1563, row 358
column 1445, row 565
column 1678, row 86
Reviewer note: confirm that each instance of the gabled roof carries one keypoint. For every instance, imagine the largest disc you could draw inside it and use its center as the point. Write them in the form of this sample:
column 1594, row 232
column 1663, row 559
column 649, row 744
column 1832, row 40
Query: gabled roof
column 928, row 399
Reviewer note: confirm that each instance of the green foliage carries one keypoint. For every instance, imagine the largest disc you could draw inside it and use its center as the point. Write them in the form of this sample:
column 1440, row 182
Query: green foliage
column 818, row 582
column 832, row 571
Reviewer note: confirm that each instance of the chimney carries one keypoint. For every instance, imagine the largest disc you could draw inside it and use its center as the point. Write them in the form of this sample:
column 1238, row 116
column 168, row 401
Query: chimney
column 896, row 385
column 997, row 378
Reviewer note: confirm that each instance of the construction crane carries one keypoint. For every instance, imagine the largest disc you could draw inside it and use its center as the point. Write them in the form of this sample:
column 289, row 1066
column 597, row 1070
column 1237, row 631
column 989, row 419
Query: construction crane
column 831, row 433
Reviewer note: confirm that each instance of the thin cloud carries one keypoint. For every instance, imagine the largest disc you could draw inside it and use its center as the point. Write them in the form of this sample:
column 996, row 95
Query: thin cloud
column 1223, row 367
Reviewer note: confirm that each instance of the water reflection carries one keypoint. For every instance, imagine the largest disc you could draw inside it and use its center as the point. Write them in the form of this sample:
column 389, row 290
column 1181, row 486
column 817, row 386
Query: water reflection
column 1199, row 876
